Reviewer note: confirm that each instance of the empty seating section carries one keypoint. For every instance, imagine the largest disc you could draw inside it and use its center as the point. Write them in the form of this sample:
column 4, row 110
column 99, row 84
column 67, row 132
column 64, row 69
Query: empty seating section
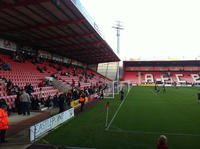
column 131, row 76
column 185, row 78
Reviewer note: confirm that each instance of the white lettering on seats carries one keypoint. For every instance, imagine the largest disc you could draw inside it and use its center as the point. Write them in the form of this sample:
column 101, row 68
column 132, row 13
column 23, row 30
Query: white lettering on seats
column 195, row 78
column 178, row 77
column 164, row 78
column 149, row 78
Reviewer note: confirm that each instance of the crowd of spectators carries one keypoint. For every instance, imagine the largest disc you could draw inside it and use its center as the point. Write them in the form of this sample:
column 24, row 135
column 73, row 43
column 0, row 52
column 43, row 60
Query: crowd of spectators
column 25, row 100
column 61, row 101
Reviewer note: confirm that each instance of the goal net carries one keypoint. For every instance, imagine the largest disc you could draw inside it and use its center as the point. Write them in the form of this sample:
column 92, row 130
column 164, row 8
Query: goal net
column 115, row 87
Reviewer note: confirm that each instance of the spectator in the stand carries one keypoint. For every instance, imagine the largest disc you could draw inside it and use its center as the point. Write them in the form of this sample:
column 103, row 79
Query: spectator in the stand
column 79, row 84
column 60, row 68
column 45, row 68
column 3, row 79
column 48, row 83
column 33, row 61
column 35, row 103
column 25, row 99
column 74, row 94
column 18, row 104
column 74, row 73
column 80, row 78
column 32, row 101
column 9, row 87
column 51, row 65
column 54, row 76
column 29, row 88
column 41, row 95
column 162, row 142
column 6, row 66
column 61, row 102
column 69, row 97
column 62, row 74
column 86, row 91
column 55, row 100
column 41, row 84
column 101, row 95
column 90, row 90
column 39, row 69
column 9, row 83
column 39, row 60
column 49, row 102
column 73, row 83
column 51, row 105
column 3, row 102
column 14, row 90
column 1, row 66
column 67, row 74
column 17, row 58
column 85, row 81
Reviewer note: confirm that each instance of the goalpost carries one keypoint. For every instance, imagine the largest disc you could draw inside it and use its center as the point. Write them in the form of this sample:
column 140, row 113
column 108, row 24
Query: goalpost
column 115, row 87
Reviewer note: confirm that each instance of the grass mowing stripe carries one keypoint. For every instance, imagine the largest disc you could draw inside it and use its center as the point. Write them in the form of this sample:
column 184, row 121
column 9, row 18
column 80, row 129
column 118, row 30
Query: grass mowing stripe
column 153, row 133
column 116, row 112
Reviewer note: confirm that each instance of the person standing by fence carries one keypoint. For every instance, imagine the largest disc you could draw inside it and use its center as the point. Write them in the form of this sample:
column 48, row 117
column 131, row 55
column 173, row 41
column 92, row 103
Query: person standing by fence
column 25, row 99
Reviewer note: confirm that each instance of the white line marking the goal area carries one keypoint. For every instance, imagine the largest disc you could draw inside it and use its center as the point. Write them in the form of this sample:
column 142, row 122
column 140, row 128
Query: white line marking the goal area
column 117, row 112
column 153, row 133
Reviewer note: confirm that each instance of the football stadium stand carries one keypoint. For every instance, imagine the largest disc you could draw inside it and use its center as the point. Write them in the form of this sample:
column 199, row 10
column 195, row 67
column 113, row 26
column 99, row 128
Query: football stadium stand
column 21, row 74
column 49, row 47
column 168, row 72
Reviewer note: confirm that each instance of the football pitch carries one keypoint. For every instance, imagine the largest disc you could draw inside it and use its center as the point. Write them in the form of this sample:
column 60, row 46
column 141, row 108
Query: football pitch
column 135, row 123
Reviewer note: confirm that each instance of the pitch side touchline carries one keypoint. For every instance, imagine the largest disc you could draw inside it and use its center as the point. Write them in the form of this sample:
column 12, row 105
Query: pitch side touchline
column 116, row 112
column 154, row 133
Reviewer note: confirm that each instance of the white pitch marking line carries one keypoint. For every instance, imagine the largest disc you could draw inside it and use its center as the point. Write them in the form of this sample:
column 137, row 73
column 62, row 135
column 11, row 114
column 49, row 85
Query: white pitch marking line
column 116, row 113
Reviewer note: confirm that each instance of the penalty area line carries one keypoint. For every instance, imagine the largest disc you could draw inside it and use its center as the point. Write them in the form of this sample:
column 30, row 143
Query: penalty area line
column 116, row 112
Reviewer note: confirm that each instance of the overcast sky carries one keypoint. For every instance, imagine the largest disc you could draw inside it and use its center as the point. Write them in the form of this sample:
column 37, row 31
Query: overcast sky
column 153, row 29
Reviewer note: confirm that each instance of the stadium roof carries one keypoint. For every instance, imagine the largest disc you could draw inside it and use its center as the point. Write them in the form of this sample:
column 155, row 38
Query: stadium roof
column 58, row 26
column 163, row 63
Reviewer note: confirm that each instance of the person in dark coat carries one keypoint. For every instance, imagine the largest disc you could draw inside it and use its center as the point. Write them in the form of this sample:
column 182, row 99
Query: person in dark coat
column 18, row 104
column 122, row 94
column 55, row 100
column 61, row 103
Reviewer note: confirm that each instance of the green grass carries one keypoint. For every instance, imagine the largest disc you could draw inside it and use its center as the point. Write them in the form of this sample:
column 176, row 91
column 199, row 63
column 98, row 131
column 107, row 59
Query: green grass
column 143, row 117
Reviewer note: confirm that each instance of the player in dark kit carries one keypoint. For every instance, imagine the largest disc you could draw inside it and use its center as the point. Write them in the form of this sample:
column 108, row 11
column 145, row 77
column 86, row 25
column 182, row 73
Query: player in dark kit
column 164, row 88
column 155, row 87
column 122, row 94
column 198, row 97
